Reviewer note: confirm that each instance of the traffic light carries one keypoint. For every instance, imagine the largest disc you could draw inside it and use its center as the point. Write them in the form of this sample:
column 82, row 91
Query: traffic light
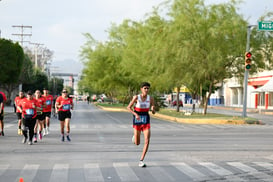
column 248, row 60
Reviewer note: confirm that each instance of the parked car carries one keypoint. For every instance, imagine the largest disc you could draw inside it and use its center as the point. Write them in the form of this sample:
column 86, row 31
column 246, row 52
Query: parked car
column 180, row 103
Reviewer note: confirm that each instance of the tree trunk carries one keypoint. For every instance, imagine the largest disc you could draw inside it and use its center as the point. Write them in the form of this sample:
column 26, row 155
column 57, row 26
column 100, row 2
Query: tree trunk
column 193, row 101
column 9, row 88
column 177, row 99
column 207, row 99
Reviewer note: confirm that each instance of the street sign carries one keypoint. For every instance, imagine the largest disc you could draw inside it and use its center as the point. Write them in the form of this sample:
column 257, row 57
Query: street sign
column 265, row 25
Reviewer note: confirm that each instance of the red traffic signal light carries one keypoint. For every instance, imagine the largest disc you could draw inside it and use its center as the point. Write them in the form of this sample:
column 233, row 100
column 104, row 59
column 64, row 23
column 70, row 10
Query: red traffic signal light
column 248, row 60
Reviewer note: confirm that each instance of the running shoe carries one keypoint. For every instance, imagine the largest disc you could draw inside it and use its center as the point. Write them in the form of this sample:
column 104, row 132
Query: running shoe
column 24, row 140
column 44, row 132
column 68, row 138
column 141, row 164
column 47, row 130
column 30, row 142
column 40, row 136
column 62, row 139
column 133, row 139
column 35, row 139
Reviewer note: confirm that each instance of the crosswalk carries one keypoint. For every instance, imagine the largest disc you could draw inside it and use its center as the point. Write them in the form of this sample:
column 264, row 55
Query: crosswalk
column 128, row 171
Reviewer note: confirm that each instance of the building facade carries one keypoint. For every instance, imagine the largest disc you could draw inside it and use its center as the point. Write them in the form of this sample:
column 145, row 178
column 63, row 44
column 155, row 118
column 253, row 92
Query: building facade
column 259, row 92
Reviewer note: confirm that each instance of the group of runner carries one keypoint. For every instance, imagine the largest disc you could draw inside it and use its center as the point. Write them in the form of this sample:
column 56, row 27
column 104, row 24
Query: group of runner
column 34, row 112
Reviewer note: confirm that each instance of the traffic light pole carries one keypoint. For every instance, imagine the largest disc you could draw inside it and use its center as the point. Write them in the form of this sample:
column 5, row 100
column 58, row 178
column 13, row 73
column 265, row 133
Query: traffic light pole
column 246, row 71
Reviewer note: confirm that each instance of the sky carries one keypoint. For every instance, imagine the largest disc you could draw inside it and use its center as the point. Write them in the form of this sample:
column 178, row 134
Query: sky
column 59, row 24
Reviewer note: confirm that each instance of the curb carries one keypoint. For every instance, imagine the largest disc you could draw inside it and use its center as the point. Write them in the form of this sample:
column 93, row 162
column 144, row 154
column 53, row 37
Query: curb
column 183, row 120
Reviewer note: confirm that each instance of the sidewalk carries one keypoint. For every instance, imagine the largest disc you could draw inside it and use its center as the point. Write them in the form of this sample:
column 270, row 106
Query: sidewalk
column 240, row 109
column 237, row 109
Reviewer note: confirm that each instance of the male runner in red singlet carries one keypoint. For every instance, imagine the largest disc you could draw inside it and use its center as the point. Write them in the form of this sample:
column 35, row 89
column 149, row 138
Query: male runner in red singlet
column 28, row 106
column 40, row 115
column 64, row 105
column 141, row 119
column 47, row 110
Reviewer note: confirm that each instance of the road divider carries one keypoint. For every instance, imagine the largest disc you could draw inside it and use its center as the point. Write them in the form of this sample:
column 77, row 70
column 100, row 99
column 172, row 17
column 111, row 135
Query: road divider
column 189, row 120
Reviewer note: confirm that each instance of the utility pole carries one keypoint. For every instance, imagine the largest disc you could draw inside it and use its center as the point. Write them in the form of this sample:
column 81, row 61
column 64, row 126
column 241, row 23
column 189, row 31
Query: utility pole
column 246, row 71
column 36, row 52
column 22, row 34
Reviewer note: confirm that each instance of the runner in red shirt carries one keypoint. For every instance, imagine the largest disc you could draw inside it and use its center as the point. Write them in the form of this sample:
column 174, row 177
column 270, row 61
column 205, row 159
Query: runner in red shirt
column 28, row 106
column 17, row 100
column 47, row 110
column 40, row 115
column 2, row 113
column 63, row 105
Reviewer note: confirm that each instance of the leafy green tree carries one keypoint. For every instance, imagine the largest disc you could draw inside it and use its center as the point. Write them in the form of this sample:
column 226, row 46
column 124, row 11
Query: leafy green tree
column 38, row 81
column 56, row 85
column 211, row 37
column 27, row 71
column 11, row 62
column 195, row 45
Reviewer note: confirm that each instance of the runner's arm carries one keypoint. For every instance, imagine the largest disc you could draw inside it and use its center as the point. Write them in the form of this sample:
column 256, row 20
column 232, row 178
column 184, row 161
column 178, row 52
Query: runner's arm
column 19, row 108
column 57, row 105
column 1, row 107
column 72, row 106
column 129, row 107
column 152, row 105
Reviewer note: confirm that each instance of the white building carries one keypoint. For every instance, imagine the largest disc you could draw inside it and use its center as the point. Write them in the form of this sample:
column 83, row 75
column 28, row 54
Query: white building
column 259, row 92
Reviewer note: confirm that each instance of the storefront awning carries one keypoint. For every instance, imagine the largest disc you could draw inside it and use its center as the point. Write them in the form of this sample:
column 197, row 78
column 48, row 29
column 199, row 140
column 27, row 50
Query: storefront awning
column 258, row 83
column 268, row 87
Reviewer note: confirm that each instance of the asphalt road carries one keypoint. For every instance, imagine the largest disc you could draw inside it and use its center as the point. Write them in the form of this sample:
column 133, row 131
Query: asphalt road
column 101, row 150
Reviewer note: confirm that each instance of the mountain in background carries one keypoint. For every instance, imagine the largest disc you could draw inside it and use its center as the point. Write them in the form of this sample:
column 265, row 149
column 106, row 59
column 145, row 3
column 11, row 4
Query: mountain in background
column 66, row 66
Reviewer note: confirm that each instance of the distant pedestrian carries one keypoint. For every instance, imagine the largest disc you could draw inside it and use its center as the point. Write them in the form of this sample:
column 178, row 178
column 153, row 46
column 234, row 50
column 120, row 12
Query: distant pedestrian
column 141, row 120
column 53, row 111
column 2, row 113
column 28, row 106
column 64, row 105
column 88, row 99
column 17, row 101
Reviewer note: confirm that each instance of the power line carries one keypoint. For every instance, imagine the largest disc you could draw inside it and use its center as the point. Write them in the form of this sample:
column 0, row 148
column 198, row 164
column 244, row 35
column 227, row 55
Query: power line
column 22, row 34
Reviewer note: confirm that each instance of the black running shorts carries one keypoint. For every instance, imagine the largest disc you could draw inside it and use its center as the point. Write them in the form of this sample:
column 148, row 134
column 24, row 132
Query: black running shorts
column 62, row 115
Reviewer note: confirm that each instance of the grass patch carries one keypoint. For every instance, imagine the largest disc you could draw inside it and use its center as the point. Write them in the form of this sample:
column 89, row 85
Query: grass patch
column 171, row 112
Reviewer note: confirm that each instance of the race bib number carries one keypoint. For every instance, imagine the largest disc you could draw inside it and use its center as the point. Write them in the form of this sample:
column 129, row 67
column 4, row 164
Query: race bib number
column 142, row 120
column 48, row 102
column 30, row 111
column 66, row 107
